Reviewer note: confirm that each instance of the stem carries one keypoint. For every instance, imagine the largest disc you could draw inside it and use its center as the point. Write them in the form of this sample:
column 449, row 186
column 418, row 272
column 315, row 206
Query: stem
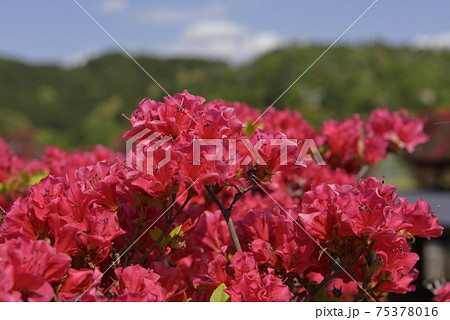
column 376, row 286
column 324, row 281
column 362, row 172
column 154, row 245
column 226, row 212
column 136, row 234
column 366, row 277
column 332, row 274
column 233, row 233
column 163, row 232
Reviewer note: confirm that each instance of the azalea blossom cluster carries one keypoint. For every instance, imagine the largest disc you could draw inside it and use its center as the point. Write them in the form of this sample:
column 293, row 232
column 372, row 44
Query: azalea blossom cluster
column 16, row 172
column 160, row 224
column 443, row 293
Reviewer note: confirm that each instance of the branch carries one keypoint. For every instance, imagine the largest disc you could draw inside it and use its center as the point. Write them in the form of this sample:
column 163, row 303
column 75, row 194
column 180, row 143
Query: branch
column 324, row 281
column 237, row 196
column 334, row 274
column 164, row 231
column 362, row 172
column 214, row 198
column 226, row 212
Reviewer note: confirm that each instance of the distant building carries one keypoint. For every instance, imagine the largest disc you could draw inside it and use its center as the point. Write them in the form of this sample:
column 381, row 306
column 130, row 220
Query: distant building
column 430, row 163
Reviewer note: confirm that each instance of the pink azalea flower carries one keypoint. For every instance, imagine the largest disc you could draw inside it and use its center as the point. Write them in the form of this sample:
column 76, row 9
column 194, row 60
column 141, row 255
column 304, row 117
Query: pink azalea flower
column 81, row 283
column 443, row 293
column 30, row 270
column 397, row 128
column 137, row 284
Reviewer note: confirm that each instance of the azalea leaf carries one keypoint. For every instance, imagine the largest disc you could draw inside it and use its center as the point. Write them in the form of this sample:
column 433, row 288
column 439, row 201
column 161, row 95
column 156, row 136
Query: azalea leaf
column 174, row 232
column 148, row 200
column 7, row 188
column 35, row 179
column 219, row 295
column 321, row 295
column 173, row 189
column 333, row 300
column 177, row 245
column 250, row 128
column 24, row 177
column 155, row 233
column 171, row 235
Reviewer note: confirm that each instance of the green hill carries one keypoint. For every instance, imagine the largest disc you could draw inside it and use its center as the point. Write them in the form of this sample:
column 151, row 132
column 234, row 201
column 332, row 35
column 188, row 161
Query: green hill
column 79, row 106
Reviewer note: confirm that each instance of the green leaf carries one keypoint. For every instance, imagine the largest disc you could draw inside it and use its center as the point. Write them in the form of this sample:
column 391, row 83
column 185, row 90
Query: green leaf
column 171, row 235
column 175, row 232
column 219, row 295
column 249, row 128
column 174, row 238
column 173, row 189
column 155, row 233
column 321, row 295
column 24, row 177
column 148, row 200
column 4, row 188
column 37, row 177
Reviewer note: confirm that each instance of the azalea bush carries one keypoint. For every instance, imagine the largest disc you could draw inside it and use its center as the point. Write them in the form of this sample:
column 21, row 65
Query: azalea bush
column 259, row 221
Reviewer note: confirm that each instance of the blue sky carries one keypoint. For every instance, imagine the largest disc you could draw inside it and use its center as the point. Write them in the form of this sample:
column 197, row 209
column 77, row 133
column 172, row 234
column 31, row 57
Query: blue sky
column 235, row 30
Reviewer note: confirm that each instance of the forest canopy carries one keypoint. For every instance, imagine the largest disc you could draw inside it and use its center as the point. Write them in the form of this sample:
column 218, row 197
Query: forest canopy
column 83, row 105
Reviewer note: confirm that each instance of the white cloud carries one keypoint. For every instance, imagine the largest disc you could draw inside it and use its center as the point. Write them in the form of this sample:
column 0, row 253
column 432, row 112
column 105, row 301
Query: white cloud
column 177, row 15
column 433, row 41
column 112, row 6
column 223, row 40
column 80, row 58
